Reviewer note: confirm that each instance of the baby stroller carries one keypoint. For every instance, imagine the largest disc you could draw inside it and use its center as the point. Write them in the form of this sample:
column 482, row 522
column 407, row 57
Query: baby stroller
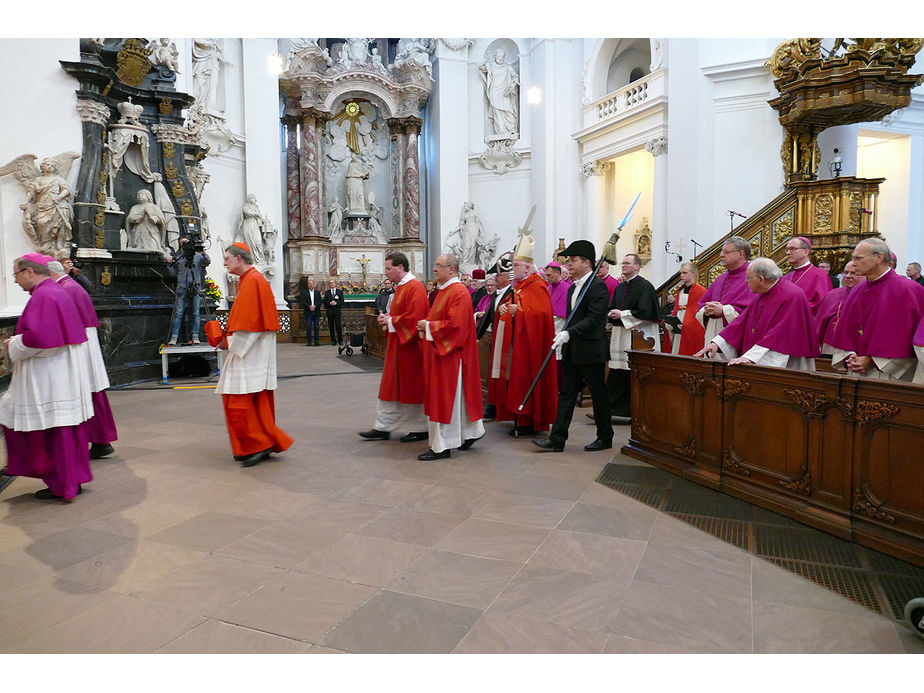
column 358, row 340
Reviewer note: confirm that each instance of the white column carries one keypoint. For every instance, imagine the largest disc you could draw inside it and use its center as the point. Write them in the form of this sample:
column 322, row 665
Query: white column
column 594, row 205
column 663, row 264
column 263, row 172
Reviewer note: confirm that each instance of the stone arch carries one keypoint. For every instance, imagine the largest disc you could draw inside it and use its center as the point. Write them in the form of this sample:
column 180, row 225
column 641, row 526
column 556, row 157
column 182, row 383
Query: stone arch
column 377, row 95
column 611, row 62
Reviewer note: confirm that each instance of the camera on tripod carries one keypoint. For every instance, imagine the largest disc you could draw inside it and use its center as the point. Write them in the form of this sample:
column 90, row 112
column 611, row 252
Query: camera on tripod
column 195, row 243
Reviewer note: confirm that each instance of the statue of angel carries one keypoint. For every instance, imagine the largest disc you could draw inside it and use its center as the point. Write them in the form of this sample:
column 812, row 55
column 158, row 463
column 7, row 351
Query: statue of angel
column 47, row 212
column 165, row 54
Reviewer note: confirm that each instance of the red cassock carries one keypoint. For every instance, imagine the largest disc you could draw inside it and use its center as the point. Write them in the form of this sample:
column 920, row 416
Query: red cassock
column 692, row 333
column 499, row 361
column 452, row 326
column 533, row 330
column 402, row 377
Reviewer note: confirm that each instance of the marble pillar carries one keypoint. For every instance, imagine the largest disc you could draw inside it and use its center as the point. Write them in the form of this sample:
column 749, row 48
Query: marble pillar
column 293, row 188
column 411, row 185
column 312, row 221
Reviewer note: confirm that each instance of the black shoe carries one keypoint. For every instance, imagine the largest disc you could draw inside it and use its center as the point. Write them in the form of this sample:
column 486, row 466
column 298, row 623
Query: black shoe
column 429, row 455
column 523, row 431
column 98, row 450
column 375, row 434
column 317, row 343
column 598, row 445
column 548, row 445
column 413, row 437
column 490, row 413
column 469, row 442
column 46, row 494
column 256, row 458
column 590, row 416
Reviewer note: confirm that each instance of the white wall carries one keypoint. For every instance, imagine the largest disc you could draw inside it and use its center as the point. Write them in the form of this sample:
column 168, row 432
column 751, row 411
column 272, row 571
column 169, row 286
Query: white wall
column 889, row 159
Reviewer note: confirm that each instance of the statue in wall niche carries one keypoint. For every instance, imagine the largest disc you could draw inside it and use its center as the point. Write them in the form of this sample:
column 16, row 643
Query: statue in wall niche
column 501, row 88
column 165, row 53
column 206, row 63
column 467, row 241
column 47, row 215
column 256, row 231
column 145, row 225
column 334, row 226
column 355, row 194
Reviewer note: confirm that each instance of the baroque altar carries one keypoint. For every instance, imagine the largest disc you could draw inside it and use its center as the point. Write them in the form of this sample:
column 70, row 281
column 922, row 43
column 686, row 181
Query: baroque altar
column 353, row 117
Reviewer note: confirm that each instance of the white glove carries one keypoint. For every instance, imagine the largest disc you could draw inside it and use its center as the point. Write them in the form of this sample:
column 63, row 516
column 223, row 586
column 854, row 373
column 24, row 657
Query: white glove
column 625, row 313
column 560, row 338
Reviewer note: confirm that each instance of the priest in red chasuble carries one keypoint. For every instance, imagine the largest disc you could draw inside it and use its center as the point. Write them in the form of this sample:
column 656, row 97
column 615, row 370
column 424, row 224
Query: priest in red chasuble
column 452, row 382
column 814, row 281
column 692, row 334
column 874, row 337
column 529, row 321
column 775, row 330
column 400, row 402
column 248, row 377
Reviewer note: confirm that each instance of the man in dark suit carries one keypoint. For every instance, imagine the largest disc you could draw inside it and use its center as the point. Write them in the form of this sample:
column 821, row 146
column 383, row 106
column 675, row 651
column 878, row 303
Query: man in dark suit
column 310, row 300
column 333, row 300
column 584, row 352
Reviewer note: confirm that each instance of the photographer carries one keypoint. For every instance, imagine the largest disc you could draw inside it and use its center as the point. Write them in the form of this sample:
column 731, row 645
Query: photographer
column 187, row 265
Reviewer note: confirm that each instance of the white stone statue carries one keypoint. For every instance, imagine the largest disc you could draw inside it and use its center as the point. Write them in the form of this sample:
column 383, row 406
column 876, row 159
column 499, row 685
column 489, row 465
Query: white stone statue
column 411, row 53
column 252, row 230
column 354, row 52
column 334, row 227
column 146, row 226
column 501, row 88
column 467, row 241
column 47, row 215
column 375, row 219
column 166, row 54
column 377, row 59
column 206, row 62
column 355, row 195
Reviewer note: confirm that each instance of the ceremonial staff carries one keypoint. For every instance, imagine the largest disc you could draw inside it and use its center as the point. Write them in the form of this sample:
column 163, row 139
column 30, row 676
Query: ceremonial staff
column 609, row 246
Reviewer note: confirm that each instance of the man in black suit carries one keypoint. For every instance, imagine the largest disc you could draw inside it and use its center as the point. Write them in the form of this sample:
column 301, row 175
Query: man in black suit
column 310, row 300
column 584, row 352
column 333, row 299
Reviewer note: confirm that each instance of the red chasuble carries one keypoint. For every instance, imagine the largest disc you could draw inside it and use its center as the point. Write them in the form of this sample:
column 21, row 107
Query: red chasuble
column 499, row 362
column 692, row 334
column 402, row 377
column 779, row 320
column 452, row 325
column 254, row 309
column 879, row 317
column 533, row 332
column 814, row 281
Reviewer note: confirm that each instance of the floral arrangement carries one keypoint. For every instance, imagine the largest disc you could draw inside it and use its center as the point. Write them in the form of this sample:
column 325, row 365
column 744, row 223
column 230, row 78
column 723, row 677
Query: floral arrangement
column 211, row 290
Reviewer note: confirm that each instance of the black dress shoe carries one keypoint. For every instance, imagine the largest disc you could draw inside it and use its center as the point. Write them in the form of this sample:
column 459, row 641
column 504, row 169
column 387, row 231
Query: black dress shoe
column 256, row 458
column 469, row 442
column 375, row 434
column 429, row 455
column 46, row 494
column 598, row 445
column 98, row 450
column 413, row 437
column 490, row 413
column 523, row 431
column 548, row 445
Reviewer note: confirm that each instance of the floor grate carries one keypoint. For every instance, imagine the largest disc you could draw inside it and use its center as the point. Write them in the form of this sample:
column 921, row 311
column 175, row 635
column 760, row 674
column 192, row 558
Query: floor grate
column 867, row 577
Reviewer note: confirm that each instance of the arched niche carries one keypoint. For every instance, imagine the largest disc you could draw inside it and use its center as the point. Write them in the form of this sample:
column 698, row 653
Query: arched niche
column 615, row 62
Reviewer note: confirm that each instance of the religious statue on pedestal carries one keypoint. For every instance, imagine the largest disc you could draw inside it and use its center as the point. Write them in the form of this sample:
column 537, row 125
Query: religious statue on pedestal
column 206, row 60
column 259, row 234
column 501, row 88
column 467, row 241
column 146, row 226
column 355, row 194
column 165, row 54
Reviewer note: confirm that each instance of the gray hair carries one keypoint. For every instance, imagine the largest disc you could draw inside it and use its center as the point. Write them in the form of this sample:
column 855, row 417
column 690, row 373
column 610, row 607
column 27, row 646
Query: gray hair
column 878, row 246
column 916, row 265
column 55, row 267
column 740, row 243
column 452, row 261
column 766, row 268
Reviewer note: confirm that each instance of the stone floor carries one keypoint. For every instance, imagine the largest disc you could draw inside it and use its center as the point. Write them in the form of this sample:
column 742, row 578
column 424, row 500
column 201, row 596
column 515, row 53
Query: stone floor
column 343, row 545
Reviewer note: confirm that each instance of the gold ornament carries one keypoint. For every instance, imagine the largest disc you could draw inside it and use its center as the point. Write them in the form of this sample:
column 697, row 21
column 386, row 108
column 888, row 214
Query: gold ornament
column 166, row 106
column 178, row 189
column 105, row 277
column 133, row 61
column 170, row 171
column 186, row 207
column 169, row 151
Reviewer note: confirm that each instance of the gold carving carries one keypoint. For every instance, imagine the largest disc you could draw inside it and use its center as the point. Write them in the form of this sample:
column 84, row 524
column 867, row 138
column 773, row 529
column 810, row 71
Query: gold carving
column 166, row 106
column 105, row 278
column 824, row 213
column 640, row 430
column 868, row 410
column 734, row 387
column 807, row 401
column 107, row 88
column 178, row 189
column 788, row 57
column 169, row 150
column 854, row 219
column 782, row 229
column 688, row 449
column 694, row 381
column 133, row 61
column 100, row 218
column 863, row 503
column 100, row 238
column 732, row 463
column 101, row 196
column 715, row 271
column 802, row 485
column 170, row 172
column 186, row 207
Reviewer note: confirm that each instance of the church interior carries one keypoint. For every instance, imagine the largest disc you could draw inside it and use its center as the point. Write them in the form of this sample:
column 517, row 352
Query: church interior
column 326, row 155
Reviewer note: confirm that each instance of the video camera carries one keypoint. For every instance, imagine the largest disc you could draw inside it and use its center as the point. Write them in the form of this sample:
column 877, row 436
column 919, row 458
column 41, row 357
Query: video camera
column 195, row 243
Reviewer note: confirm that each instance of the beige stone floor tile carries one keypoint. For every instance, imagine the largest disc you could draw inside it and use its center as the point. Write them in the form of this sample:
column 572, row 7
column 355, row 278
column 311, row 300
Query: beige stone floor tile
column 130, row 565
column 911, row 640
column 120, row 625
column 215, row 637
column 703, row 622
column 207, row 586
column 341, row 516
column 595, row 554
column 484, row 477
column 621, row 644
column 272, row 504
column 392, row 623
column 209, row 531
column 400, row 524
column 625, row 522
column 281, row 544
column 70, row 546
column 364, row 560
column 415, row 471
column 457, row 578
column 543, row 486
column 19, row 568
column 296, row 605
column 448, row 500
column 387, row 492
column 570, row 599
column 144, row 519
column 496, row 633
column 699, row 570
column 501, row 540
column 317, row 649
column 523, row 510
column 786, row 629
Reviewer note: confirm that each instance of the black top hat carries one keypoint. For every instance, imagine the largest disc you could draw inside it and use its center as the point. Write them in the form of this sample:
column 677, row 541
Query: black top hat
column 503, row 264
column 582, row 249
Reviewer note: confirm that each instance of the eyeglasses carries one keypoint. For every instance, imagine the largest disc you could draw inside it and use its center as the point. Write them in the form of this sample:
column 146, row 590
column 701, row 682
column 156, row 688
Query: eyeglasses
column 15, row 272
column 859, row 257
column 439, row 265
